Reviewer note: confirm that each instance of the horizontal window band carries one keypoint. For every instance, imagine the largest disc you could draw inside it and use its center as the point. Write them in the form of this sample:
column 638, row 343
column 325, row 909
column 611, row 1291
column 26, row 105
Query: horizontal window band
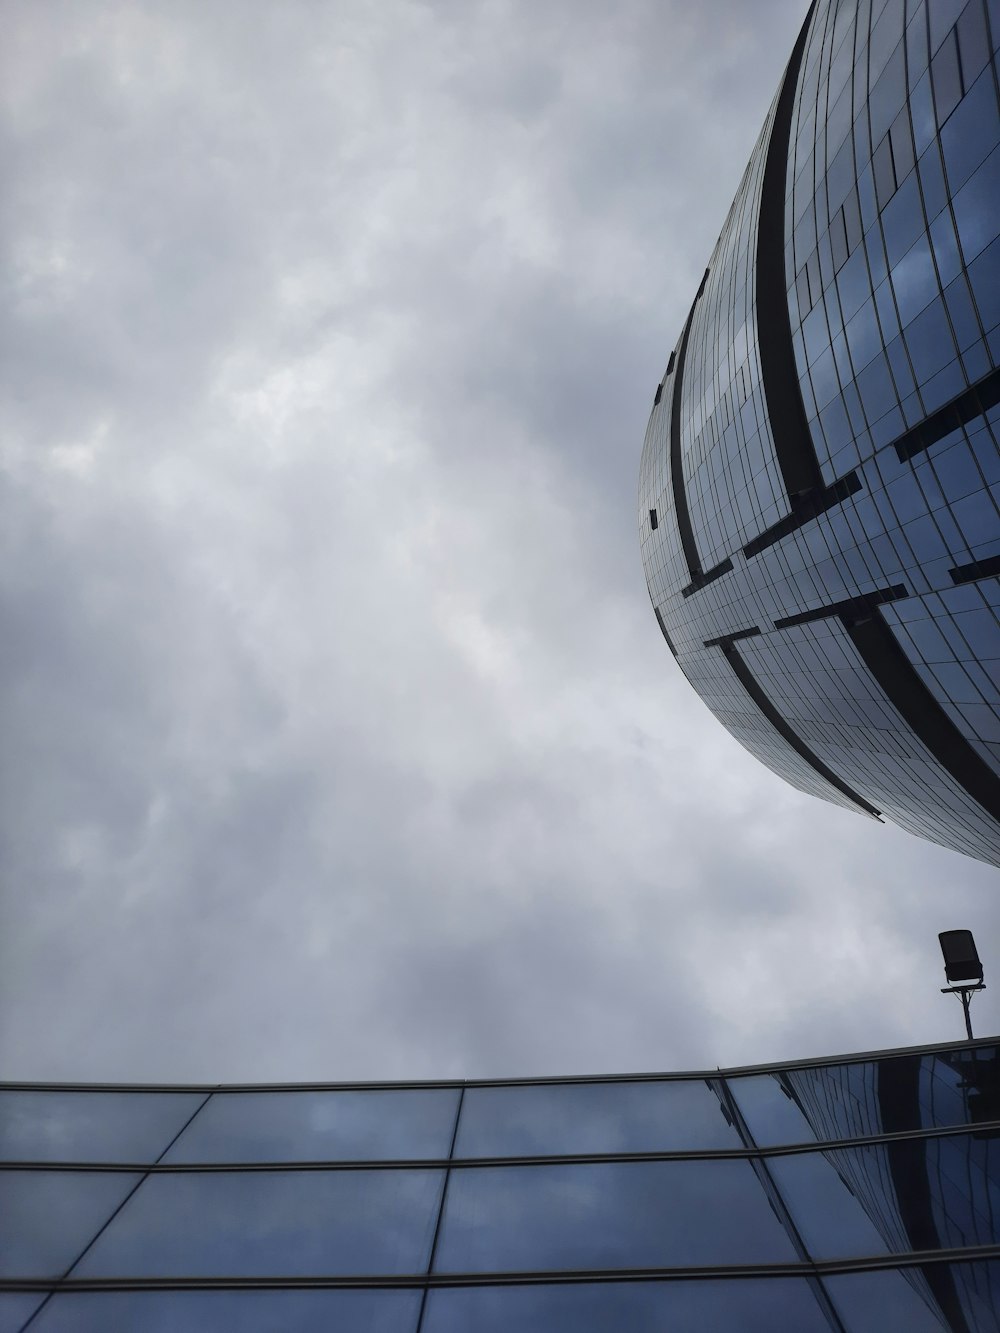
column 540, row 1277
column 850, row 611
column 417, row 1085
column 723, row 639
column 791, row 737
column 699, row 581
column 805, row 507
column 976, row 569
column 985, row 1129
column 901, row 683
column 965, row 407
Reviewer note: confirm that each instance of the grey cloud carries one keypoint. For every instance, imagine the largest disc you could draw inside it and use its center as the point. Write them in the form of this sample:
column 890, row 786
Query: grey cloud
column 340, row 739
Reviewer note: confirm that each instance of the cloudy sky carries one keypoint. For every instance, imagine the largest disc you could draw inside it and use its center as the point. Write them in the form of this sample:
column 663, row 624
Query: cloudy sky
column 339, row 737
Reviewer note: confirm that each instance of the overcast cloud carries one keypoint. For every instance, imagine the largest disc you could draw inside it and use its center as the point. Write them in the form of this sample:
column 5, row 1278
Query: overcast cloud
column 339, row 737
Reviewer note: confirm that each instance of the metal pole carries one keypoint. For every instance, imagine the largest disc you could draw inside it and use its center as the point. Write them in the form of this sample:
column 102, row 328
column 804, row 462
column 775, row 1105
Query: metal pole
column 966, row 1000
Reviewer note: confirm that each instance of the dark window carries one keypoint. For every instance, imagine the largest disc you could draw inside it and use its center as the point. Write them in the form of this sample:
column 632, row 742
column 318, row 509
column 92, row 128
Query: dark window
column 947, row 78
column 973, row 42
column 902, row 145
column 653, row 520
column 885, row 178
column 838, row 240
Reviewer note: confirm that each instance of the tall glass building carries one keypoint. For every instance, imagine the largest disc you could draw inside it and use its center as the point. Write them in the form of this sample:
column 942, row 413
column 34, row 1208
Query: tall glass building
column 860, row 1194
column 817, row 502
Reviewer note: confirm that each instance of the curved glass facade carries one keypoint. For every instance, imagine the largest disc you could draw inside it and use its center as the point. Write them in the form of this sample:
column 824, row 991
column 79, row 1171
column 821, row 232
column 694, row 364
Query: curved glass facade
column 817, row 498
column 857, row 1194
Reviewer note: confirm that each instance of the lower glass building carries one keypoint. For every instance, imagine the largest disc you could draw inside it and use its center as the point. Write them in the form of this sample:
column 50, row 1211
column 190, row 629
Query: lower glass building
column 818, row 492
column 860, row 1194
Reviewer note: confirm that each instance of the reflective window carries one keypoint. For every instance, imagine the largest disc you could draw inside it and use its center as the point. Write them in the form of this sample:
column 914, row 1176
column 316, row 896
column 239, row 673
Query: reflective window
column 91, row 1126
column 272, row 1222
column 246, row 1311
column 592, row 1117
column 821, row 1191
column 761, row 1306
column 320, row 1126
column 830, row 1102
column 16, row 1307
column 928, row 1300
column 607, row 1215
column 49, row 1217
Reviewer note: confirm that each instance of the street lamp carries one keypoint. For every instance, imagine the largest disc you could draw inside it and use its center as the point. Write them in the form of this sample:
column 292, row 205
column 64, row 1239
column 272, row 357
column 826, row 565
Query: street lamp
column 961, row 965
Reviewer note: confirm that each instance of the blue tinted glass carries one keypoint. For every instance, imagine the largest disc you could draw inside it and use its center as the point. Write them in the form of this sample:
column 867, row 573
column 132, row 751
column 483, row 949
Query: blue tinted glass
column 91, row 1126
column 320, row 1126
column 591, row 1118
column 242, row 1311
column 977, row 208
column 16, row 1307
column 761, row 1306
column 49, row 1217
column 830, row 1102
column 916, row 1299
column 272, row 1222
column 971, row 133
column 607, row 1215
column 820, row 1193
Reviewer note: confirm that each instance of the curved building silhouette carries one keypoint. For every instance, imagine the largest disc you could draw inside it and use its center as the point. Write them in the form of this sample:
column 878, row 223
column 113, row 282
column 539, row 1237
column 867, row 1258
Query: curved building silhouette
column 816, row 503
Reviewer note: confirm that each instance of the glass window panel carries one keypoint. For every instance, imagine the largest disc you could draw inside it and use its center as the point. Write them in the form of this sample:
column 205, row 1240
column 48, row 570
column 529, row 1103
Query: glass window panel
column 912, row 1298
column 49, row 1217
column 946, row 78
column 733, row 1306
column 977, row 208
column 16, row 1307
column 888, row 1096
column 91, row 1126
column 246, row 1311
column 823, row 1202
column 607, row 1215
column 320, row 1126
column 971, row 133
column 591, row 1117
column 303, row 1223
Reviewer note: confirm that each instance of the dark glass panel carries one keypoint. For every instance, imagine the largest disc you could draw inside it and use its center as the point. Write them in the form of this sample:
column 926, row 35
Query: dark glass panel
column 607, row 1215
column 971, row 133
column 938, row 1089
column 591, row 1118
column 16, row 1307
column 49, row 1217
column 759, row 1306
column 823, row 1203
column 893, row 1298
column 91, row 1126
column 946, row 78
column 246, row 1311
column 973, row 41
column 977, row 207
column 320, row 1126
column 302, row 1223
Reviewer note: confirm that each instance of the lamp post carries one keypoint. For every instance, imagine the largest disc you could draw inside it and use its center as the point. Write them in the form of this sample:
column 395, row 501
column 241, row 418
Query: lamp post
column 961, row 965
